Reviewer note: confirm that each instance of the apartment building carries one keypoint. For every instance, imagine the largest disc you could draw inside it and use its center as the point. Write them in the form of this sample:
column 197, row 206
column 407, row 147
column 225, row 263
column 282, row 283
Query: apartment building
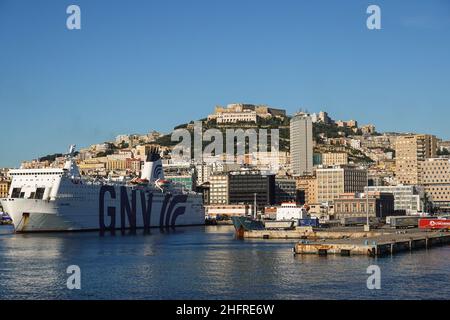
column 4, row 188
column 218, row 188
column 435, row 177
column 410, row 151
column 334, row 158
column 307, row 189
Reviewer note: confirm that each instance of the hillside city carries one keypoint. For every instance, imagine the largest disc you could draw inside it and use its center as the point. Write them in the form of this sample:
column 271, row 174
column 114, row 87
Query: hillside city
column 333, row 167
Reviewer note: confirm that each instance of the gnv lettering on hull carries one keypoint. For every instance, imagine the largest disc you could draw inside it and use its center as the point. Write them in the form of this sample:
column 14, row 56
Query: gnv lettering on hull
column 172, row 207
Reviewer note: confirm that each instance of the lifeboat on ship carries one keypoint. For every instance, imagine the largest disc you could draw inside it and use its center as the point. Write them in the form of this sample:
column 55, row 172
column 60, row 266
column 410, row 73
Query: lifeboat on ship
column 162, row 183
column 139, row 181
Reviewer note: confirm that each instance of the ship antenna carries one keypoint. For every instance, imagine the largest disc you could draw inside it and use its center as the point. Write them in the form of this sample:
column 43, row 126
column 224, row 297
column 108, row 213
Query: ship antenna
column 72, row 150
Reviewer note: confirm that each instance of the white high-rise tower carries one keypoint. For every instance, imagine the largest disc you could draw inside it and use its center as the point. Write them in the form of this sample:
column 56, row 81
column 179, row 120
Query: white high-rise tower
column 301, row 147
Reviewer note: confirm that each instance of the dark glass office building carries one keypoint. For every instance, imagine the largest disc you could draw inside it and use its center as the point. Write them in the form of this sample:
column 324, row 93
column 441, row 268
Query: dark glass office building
column 242, row 186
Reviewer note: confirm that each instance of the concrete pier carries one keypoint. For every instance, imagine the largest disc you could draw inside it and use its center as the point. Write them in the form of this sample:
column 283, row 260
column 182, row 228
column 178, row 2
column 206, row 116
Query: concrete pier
column 309, row 233
column 388, row 243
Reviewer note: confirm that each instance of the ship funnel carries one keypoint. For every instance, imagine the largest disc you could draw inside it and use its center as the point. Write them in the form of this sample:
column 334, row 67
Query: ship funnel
column 153, row 169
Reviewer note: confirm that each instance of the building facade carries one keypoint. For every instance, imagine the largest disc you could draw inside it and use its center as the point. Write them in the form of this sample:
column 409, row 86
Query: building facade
column 435, row 177
column 331, row 182
column 407, row 198
column 307, row 189
column 4, row 188
column 301, row 144
column 244, row 185
column 334, row 158
column 285, row 189
column 410, row 151
column 241, row 112
column 218, row 188
column 355, row 205
column 235, row 117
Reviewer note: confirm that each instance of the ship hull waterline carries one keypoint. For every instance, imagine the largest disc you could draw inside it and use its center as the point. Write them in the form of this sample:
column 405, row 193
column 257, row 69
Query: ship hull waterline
column 164, row 211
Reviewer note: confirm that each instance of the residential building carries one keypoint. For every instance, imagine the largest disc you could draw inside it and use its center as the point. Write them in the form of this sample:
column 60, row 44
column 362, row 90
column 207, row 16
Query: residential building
column 410, row 151
column 334, row 158
column 272, row 161
column 331, row 182
column 435, row 177
column 307, row 189
column 355, row 144
column 203, row 172
column 206, row 169
column 4, row 188
column 134, row 165
column 301, row 144
column 218, row 188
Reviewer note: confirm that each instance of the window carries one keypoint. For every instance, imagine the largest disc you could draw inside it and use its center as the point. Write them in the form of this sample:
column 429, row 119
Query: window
column 16, row 193
column 39, row 193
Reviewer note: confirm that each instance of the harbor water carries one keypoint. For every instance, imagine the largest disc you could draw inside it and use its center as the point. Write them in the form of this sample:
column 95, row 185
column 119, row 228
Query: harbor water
column 205, row 263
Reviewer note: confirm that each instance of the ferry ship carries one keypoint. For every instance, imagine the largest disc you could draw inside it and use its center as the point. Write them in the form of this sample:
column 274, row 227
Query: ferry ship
column 60, row 199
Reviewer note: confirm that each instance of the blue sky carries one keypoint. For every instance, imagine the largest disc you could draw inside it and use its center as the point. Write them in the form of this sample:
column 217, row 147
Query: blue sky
column 136, row 66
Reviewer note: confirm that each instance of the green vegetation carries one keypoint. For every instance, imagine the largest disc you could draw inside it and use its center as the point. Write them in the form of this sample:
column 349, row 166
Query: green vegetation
column 330, row 131
column 357, row 156
column 319, row 129
column 50, row 157
column 104, row 154
column 123, row 145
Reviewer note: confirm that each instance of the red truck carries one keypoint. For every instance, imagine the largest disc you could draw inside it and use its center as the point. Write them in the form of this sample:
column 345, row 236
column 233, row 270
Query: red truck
column 434, row 223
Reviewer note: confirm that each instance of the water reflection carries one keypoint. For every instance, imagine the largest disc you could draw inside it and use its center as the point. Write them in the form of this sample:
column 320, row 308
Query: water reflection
column 205, row 263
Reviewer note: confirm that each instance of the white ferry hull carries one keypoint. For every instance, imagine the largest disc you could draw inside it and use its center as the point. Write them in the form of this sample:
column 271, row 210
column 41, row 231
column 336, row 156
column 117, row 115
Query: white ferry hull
column 31, row 215
column 54, row 199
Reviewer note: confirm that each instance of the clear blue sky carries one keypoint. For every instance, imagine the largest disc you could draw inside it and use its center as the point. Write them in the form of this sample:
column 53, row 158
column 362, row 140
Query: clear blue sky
column 142, row 65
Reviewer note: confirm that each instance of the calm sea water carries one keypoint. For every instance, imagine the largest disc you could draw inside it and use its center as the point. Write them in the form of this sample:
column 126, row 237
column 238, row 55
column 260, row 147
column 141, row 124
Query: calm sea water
column 205, row 263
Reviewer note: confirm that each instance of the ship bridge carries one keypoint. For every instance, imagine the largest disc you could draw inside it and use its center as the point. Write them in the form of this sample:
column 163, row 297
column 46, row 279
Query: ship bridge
column 34, row 183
